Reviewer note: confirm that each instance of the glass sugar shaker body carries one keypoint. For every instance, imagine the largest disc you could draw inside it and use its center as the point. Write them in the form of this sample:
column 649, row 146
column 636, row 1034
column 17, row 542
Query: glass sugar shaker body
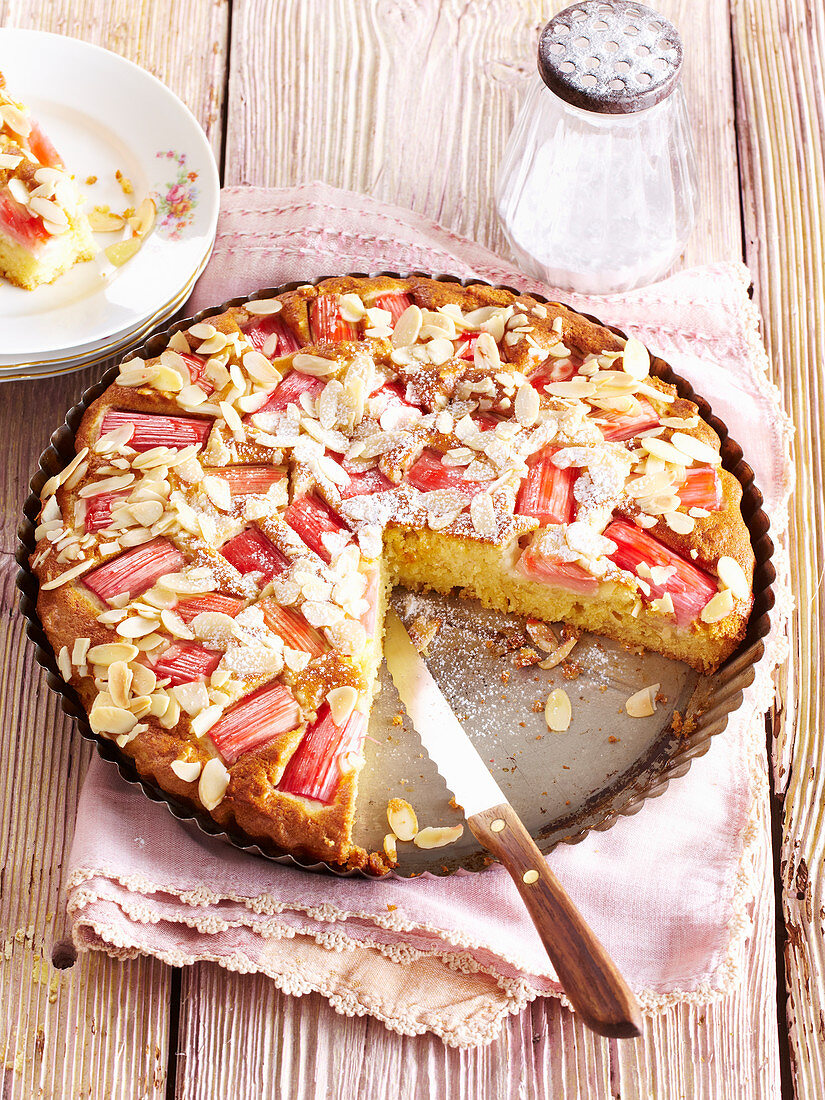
column 597, row 190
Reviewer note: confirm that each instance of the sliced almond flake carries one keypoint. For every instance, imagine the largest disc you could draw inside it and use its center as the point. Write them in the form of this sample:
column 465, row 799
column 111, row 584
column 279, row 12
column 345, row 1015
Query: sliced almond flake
column 558, row 350
column 483, row 516
column 204, row 720
column 342, row 702
column 649, row 485
column 485, row 353
column 664, row 604
column 233, row 421
column 120, row 683
column 542, row 635
column 440, row 350
column 561, row 653
column 218, row 491
column 193, row 697
column 695, row 449
column 111, row 719
column 54, row 483
column 333, row 470
column 171, row 716
column 186, row 770
column 680, row 522
column 656, row 395
column 698, row 513
column 260, row 368
column 438, row 837
column 575, row 388
column 263, row 307
column 733, row 577
column 636, row 359
column 390, row 848
column 683, row 423
column 642, row 704
column 144, row 218
column 558, row 711
column 314, row 365
column 191, row 396
column 214, row 345
column 135, row 537
column 107, row 485
column 136, row 373
column 527, row 405
column 213, row 783
column 16, row 120
column 48, row 210
column 402, row 819
column 167, row 380
column 172, row 622
column 136, row 626
column 202, row 330
column 68, row 575
column 408, row 327
column 664, row 450
column 80, row 651
column 144, row 680
column 44, row 528
column 64, row 663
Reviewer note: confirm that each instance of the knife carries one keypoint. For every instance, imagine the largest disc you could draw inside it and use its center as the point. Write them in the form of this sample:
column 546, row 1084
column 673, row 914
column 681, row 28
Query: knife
column 593, row 985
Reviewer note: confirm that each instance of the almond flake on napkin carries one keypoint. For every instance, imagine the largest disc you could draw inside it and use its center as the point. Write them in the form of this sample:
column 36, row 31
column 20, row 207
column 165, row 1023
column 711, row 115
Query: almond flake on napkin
column 668, row 890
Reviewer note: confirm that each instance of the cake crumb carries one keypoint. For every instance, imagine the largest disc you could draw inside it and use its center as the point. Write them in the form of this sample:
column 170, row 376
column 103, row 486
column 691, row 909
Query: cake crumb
column 423, row 631
column 613, row 740
column 391, row 908
column 682, row 726
column 90, row 180
column 526, row 657
column 398, row 719
column 571, row 670
column 125, row 183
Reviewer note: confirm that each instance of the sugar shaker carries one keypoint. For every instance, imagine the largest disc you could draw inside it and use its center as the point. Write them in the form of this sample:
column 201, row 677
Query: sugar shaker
column 597, row 191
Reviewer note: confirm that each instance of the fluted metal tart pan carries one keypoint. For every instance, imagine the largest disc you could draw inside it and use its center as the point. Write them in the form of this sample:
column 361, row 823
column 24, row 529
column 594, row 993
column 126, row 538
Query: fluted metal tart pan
column 562, row 787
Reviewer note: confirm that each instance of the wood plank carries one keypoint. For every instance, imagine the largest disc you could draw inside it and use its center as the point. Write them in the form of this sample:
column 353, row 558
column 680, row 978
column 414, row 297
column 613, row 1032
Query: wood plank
column 100, row 1029
column 780, row 81
column 348, row 108
column 300, row 1048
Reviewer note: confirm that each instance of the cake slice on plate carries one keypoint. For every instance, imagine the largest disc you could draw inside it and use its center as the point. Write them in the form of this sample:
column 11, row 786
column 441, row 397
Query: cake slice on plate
column 43, row 230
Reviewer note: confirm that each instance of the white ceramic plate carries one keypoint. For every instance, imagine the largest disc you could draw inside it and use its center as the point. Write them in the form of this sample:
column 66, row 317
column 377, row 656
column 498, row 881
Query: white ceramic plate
column 105, row 114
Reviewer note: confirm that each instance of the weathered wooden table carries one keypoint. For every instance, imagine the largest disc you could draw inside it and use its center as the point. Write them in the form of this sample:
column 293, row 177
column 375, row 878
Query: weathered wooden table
column 294, row 90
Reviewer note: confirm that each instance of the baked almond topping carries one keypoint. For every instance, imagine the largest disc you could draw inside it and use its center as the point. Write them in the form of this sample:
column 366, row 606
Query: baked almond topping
column 402, row 819
column 438, row 837
column 234, row 537
column 642, row 704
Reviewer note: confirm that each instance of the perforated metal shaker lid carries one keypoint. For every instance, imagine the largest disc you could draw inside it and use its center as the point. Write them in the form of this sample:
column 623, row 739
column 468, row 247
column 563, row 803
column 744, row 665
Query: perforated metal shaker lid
column 612, row 57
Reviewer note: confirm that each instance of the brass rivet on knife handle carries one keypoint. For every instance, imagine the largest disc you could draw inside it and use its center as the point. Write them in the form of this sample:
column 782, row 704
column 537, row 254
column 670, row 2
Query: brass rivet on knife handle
column 593, row 985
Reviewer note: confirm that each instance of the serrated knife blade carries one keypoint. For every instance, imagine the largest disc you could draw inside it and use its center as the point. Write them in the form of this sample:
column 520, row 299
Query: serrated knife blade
column 588, row 976
column 446, row 743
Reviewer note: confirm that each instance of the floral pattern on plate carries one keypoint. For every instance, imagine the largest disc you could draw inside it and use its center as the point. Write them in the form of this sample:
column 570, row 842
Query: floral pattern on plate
column 176, row 206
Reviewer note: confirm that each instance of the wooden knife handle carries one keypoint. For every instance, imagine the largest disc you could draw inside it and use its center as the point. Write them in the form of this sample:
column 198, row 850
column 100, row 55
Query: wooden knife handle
column 588, row 975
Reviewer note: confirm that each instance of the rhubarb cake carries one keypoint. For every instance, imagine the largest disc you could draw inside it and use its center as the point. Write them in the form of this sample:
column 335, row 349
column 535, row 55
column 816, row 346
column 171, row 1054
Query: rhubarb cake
column 215, row 560
column 43, row 230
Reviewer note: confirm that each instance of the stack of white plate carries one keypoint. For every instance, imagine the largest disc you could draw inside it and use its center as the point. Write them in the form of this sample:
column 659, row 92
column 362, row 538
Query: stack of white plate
column 107, row 117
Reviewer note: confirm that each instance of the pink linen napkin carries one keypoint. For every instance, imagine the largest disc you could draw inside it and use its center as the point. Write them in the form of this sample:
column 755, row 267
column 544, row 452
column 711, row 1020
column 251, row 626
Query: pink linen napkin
column 668, row 890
